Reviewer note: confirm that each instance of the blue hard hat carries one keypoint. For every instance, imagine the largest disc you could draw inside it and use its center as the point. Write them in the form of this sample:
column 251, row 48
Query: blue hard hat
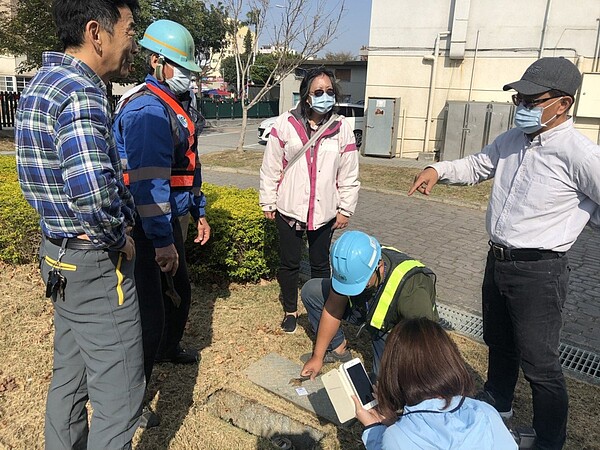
column 354, row 258
column 173, row 41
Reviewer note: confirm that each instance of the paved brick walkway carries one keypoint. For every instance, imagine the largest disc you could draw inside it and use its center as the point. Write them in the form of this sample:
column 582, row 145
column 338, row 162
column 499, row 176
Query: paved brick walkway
column 453, row 242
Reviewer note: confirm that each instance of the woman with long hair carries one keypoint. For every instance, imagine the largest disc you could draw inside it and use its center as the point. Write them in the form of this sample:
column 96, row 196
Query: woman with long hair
column 318, row 191
column 423, row 394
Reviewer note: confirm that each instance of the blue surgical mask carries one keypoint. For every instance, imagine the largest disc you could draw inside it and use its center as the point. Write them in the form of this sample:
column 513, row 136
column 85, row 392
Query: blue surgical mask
column 529, row 121
column 322, row 104
column 180, row 82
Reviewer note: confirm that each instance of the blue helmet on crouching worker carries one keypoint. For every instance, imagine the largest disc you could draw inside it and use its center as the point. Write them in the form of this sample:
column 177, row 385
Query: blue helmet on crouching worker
column 354, row 258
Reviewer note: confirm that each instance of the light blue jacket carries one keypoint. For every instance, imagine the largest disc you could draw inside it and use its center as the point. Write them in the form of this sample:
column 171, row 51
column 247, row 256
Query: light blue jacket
column 475, row 425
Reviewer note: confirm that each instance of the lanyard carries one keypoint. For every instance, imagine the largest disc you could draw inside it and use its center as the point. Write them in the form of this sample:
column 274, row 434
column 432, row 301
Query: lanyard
column 462, row 400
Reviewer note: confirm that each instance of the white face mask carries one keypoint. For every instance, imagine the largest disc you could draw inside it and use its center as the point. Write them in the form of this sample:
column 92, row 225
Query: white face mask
column 180, row 82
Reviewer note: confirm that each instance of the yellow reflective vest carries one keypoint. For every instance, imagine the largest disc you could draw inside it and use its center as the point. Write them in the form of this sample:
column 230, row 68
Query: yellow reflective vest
column 408, row 291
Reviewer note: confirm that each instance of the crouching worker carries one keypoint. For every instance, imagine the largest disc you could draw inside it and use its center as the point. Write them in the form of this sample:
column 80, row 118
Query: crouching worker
column 424, row 376
column 372, row 287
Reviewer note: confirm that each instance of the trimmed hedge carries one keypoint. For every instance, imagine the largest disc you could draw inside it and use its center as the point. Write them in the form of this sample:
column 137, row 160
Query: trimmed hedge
column 19, row 223
column 243, row 244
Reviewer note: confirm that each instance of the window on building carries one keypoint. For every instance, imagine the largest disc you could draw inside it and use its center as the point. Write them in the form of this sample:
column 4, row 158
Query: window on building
column 7, row 83
column 22, row 82
column 343, row 74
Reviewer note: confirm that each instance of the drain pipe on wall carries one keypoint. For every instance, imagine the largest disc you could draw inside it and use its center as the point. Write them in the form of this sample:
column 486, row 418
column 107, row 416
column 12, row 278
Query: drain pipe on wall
column 433, row 58
column 402, row 135
column 544, row 28
column 596, row 50
column 473, row 68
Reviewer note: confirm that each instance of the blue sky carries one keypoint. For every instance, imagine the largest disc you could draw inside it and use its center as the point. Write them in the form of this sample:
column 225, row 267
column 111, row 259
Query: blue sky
column 353, row 30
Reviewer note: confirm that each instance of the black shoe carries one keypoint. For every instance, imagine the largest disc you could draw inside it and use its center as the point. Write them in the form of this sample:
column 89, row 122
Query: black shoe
column 445, row 324
column 149, row 419
column 181, row 356
column 488, row 397
column 288, row 325
column 330, row 357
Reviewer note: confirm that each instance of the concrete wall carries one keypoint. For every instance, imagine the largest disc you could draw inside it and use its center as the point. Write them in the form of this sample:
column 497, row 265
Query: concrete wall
column 499, row 41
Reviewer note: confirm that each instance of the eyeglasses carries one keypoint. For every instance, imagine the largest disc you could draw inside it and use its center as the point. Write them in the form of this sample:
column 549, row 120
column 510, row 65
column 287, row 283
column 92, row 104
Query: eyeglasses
column 531, row 103
column 320, row 92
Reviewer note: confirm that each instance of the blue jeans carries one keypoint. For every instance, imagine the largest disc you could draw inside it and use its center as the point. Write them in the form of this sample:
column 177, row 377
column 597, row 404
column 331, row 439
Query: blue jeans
column 314, row 294
column 522, row 319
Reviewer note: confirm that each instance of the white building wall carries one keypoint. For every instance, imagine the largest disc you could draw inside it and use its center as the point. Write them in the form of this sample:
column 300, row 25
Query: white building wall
column 502, row 39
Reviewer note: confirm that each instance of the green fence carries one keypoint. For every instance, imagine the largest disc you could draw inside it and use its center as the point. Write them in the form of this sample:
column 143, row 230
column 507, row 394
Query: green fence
column 233, row 109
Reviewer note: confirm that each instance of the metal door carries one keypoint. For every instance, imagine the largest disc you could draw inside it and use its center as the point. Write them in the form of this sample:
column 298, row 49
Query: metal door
column 381, row 131
column 470, row 126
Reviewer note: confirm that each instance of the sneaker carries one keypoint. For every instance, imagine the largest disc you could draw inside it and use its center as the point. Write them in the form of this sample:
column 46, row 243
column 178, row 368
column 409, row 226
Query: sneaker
column 180, row 356
column 149, row 419
column 330, row 357
column 488, row 397
column 289, row 323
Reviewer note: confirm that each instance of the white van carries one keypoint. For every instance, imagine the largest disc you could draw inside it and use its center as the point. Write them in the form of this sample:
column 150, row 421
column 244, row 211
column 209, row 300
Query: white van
column 354, row 113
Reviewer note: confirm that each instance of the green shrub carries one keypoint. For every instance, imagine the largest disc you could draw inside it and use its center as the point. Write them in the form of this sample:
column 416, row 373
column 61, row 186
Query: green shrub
column 243, row 244
column 19, row 223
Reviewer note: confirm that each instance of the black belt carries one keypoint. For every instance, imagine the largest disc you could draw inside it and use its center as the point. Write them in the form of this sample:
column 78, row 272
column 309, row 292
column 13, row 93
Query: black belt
column 502, row 253
column 73, row 243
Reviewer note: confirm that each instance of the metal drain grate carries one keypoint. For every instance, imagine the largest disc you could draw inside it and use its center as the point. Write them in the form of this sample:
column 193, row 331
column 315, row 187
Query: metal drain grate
column 572, row 358
column 463, row 322
column 580, row 361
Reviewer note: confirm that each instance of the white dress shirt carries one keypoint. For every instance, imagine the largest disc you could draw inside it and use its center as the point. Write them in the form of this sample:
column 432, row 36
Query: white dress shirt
column 544, row 190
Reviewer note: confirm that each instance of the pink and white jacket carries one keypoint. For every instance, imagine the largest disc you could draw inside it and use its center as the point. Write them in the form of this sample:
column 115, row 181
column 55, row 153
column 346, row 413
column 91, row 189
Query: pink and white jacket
column 316, row 187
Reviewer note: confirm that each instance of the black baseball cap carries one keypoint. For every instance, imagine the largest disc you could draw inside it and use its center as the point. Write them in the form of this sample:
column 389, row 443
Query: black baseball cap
column 547, row 74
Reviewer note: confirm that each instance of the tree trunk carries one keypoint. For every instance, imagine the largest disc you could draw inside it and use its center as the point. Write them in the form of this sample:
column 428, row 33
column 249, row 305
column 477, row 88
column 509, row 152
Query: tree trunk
column 240, row 146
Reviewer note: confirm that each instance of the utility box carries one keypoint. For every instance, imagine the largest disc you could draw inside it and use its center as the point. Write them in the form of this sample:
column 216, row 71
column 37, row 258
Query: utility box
column 589, row 96
column 470, row 126
column 382, row 127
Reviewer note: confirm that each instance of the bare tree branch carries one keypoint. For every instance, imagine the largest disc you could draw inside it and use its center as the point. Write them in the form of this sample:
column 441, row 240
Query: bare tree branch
column 304, row 29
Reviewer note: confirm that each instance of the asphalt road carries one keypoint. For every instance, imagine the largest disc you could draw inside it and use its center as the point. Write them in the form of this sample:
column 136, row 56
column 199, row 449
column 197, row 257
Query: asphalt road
column 225, row 134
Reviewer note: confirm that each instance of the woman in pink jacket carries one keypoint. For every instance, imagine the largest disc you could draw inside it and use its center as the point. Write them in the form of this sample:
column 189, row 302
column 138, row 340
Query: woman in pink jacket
column 318, row 192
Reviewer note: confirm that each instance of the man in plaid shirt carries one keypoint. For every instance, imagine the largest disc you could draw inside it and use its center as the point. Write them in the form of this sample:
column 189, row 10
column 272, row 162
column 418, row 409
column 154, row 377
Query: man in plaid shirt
column 70, row 172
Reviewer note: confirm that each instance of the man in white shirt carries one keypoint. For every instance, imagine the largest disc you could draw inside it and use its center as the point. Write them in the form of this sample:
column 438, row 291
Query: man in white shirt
column 546, row 187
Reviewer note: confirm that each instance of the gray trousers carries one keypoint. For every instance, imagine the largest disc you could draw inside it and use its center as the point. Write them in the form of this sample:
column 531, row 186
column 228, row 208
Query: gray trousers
column 98, row 353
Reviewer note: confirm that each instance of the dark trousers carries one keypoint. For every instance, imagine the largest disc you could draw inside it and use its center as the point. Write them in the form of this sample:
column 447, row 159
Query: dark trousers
column 290, row 252
column 163, row 323
column 522, row 319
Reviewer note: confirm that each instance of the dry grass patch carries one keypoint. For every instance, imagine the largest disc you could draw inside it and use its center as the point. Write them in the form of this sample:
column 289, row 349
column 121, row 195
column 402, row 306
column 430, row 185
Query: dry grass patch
column 396, row 179
column 233, row 326
column 7, row 144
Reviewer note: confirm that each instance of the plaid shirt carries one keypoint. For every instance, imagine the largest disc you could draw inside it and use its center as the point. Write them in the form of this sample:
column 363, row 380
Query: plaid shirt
column 67, row 161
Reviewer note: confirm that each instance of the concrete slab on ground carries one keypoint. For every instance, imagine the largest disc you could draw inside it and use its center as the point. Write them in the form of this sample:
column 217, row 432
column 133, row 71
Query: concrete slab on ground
column 274, row 373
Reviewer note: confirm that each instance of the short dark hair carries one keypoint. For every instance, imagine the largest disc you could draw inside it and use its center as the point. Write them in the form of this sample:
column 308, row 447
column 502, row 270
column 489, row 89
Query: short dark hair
column 309, row 76
column 420, row 362
column 71, row 17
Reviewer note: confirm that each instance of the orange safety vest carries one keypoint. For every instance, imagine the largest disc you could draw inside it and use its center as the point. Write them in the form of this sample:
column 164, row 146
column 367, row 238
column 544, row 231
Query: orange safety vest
column 183, row 168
